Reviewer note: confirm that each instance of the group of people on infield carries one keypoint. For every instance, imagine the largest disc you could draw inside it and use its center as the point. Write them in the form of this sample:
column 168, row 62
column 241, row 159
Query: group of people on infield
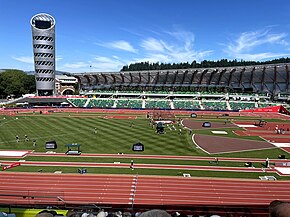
column 26, row 139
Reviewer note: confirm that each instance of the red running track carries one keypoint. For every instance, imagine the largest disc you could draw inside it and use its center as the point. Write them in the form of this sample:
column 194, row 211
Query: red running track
column 60, row 189
column 128, row 190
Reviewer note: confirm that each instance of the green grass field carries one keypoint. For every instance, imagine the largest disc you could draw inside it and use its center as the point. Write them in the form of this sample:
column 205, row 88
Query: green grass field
column 112, row 136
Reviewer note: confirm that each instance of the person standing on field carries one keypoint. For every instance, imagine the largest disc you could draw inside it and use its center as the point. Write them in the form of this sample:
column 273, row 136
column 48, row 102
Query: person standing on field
column 132, row 165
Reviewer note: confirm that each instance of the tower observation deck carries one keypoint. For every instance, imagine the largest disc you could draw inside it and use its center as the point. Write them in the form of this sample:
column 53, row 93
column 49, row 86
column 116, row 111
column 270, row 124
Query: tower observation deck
column 43, row 38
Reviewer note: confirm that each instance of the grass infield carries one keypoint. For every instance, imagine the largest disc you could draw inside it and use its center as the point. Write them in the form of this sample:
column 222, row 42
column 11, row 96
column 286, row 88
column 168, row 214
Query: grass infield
column 159, row 172
column 113, row 136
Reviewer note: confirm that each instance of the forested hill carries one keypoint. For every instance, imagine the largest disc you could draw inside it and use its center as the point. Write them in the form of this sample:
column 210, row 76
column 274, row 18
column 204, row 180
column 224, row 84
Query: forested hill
column 15, row 82
column 204, row 64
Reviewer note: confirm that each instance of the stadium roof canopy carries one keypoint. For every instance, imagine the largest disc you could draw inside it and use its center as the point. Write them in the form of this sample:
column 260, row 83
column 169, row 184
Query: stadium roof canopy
column 272, row 79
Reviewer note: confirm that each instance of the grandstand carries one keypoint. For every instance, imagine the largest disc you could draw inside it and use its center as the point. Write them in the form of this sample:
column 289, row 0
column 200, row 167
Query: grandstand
column 172, row 100
column 225, row 88
column 186, row 104
column 175, row 103
column 266, row 79
column 129, row 103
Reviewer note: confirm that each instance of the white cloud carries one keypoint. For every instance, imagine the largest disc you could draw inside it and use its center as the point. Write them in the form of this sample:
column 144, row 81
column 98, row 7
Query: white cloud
column 260, row 56
column 119, row 45
column 97, row 64
column 152, row 44
column 24, row 59
column 153, row 58
column 186, row 37
column 58, row 58
column 165, row 47
column 106, row 64
column 243, row 47
column 77, row 65
column 131, row 31
column 30, row 60
column 178, row 47
column 103, row 59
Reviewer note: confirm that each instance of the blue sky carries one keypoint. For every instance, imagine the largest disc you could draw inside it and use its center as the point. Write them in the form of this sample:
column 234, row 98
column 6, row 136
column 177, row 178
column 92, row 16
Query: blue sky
column 108, row 34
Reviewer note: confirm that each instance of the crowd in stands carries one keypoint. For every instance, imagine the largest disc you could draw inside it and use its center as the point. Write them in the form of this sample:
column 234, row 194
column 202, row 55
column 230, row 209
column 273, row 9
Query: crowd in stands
column 276, row 208
column 103, row 213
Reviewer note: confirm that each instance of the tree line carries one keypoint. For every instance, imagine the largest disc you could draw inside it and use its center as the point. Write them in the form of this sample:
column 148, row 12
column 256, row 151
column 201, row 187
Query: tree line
column 16, row 83
column 203, row 64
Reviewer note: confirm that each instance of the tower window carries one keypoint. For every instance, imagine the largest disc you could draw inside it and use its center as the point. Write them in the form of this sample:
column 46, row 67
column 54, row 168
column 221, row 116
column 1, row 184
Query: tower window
column 41, row 24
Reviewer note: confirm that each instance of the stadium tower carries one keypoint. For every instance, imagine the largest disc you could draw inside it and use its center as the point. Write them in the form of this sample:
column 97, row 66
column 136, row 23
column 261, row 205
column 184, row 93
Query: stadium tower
column 43, row 37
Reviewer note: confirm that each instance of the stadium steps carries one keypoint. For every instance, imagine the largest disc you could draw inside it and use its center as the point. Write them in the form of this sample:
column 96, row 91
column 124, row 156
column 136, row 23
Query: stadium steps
column 200, row 105
column 171, row 104
column 77, row 102
column 14, row 101
column 115, row 104
column 228, row 105
column 87, row 102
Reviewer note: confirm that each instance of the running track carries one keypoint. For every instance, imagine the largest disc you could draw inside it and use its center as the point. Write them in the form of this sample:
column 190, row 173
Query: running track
column 150, row 166
column 29, row 188
column 130, row 190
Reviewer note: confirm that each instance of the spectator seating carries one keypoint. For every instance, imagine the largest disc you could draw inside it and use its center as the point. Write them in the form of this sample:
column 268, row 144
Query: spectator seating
column 159, row 104
column 129, row 103
column 215, row 105
column 78, row 102
column 242, row 105
column 100, row 103
column 163, row 103
column 186, row 104
column 265, row 104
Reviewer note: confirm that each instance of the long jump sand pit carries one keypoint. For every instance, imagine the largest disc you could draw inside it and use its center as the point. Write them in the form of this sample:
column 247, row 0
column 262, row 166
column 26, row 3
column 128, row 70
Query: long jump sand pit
column 219, row 144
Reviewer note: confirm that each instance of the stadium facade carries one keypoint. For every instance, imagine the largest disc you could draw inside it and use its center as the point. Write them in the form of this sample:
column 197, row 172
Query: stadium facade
column 43, row 37
column 271, row 79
